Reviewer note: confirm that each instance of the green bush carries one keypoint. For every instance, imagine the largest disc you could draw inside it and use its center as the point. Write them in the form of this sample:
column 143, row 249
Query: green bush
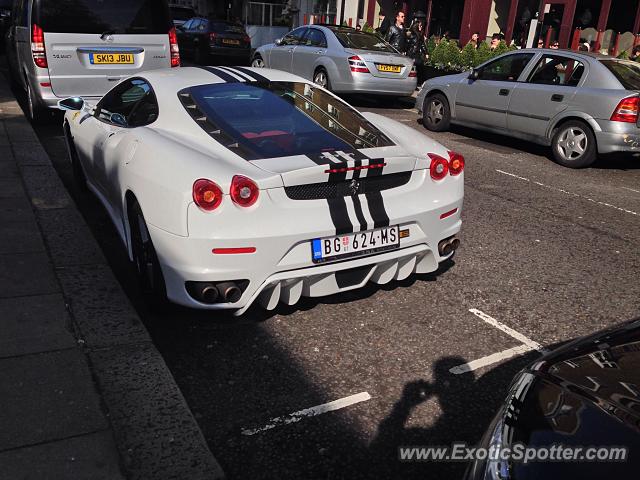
column 453, row 57
column 483, row 53
column 431, row 45
column 468, row 56
column 367, row 28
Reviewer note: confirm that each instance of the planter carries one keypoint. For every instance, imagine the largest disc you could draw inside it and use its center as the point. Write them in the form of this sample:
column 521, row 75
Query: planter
column 432, row 72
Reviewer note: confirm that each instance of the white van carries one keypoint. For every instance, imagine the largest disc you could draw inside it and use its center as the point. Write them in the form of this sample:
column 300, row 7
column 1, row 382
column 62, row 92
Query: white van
column 67, row 48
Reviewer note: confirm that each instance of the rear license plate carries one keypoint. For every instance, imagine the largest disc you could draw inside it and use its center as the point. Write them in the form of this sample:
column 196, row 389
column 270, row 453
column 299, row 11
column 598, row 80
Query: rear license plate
column 389, row 68
column 355, row 244
column 111, row 58
column 230, row 41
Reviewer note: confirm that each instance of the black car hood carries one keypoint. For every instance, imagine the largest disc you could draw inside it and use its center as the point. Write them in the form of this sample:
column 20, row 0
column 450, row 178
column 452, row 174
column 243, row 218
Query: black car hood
column 586, row 393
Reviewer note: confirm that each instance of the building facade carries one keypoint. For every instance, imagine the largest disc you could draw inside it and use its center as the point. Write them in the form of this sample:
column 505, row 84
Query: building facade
column 605, row 24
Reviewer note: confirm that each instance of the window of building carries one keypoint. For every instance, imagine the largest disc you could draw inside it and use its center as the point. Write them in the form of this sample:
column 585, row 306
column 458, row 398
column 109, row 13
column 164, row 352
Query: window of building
column 265, row 14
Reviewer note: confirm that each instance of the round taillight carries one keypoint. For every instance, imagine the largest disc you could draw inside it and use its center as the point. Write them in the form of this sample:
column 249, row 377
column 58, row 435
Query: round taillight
column 456, row 163
column 439, row 167
column 244, row 191
column 206, row 194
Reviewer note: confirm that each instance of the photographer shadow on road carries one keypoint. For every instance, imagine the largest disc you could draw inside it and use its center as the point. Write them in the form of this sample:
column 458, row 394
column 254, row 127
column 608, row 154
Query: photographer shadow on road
column 467, row 405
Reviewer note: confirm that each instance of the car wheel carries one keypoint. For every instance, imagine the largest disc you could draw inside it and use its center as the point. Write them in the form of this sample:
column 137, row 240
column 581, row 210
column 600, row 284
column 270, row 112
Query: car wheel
column 78, row 173
column 321, row 77
column 257, row 62
column 574, row 145
column 145, row 258
column 35, row 113
column 436, row 114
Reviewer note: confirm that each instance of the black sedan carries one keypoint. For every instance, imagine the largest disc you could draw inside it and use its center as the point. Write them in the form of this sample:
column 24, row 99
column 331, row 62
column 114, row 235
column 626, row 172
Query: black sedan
column 210, row 41
column 584, row 394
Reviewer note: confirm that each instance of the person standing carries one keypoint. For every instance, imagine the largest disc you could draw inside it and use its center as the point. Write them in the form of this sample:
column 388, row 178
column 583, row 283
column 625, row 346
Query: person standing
column 385, row 24
column 416, row 47
column 396, row 36
column 475, row 40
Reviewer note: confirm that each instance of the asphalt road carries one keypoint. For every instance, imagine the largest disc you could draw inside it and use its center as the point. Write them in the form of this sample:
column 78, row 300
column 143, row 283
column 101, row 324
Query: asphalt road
column 550, row 252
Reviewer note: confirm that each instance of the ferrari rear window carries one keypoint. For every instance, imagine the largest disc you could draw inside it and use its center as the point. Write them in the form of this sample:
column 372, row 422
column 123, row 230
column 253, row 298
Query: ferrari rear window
column 627, row 72
column 278, row 119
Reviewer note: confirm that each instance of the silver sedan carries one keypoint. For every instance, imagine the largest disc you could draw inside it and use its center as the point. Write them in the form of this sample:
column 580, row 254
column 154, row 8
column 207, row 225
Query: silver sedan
column 580, row 104
column 341, row 59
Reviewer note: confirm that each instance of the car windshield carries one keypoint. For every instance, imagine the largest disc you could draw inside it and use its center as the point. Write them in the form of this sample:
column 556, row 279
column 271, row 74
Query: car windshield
column 98, row 16
column 225, row 27
column 279, row 119
column 627, row 72
column 362, row 41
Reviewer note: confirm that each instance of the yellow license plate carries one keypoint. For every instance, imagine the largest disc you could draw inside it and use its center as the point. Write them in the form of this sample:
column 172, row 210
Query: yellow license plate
column 111, row 58
column 390, row 68
column 230, row 41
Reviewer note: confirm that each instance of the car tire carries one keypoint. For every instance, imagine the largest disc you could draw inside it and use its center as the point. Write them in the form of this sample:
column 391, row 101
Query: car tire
column 145, row 258
column 321, row 77
column 76, row 167
column 35, row 112
column 436, row 113
column 257, row 62
column 574, row 145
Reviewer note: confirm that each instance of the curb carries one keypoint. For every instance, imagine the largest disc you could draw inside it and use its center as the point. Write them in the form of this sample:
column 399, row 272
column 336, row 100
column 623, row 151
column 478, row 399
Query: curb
column 155, row 432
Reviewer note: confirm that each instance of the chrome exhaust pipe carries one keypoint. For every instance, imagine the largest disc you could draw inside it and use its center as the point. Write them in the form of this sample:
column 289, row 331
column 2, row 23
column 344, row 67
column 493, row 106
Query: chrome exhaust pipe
column 448, row 246
column 229, row 292
column 209, row 294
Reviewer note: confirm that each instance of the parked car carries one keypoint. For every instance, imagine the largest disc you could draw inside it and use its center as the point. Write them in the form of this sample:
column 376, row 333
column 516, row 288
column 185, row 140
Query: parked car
column 181, row 14
column 581, row 104
column 55, row 52
column 205, row 40
column 584, row 394
column 341, row 59
column 231, row 185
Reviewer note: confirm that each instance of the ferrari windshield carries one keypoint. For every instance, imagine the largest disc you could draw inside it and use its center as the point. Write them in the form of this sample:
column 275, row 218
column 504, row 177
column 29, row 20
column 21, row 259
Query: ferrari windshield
column 278, row 119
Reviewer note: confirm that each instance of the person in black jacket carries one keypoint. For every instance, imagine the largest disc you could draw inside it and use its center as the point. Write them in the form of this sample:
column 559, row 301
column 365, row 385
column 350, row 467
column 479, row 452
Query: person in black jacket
column 396, row 35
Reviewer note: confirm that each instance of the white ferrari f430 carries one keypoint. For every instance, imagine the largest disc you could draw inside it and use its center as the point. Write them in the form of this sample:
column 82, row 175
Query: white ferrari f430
column 232, row 185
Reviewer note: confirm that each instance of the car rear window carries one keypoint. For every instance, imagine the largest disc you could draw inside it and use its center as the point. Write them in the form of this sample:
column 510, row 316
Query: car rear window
column 99, row 16
column 225, row 27
column 362, row 41
column 279, row 119
column 627, row 72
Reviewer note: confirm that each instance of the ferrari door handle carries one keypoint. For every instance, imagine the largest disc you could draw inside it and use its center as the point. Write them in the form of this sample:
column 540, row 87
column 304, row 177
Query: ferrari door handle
column 319, row 52
column 503, row 92
column 557, row 98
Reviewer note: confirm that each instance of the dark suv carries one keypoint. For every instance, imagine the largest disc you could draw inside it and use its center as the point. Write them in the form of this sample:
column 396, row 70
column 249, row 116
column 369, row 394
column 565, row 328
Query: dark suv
column 203, row 39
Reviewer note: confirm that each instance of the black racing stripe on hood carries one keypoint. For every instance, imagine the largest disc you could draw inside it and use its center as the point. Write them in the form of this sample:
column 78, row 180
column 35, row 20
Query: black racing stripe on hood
column 375, row 200
column 249, row 73
column 357, row 205
column 235, row 72
column 221, row 74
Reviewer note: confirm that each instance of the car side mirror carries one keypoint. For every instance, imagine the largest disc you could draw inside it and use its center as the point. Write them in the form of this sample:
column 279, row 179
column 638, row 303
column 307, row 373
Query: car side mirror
column 73, row 104
column 118, row 119
column 474, row 75
column 278, row 42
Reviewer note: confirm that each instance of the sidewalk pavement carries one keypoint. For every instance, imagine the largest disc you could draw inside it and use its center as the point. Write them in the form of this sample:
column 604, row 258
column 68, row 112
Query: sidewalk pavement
column 84, row 394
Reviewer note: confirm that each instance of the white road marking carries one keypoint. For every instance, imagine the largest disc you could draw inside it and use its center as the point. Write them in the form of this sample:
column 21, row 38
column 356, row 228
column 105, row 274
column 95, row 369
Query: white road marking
column 310, row 412
column 604, row 204
column 490, row 359
column 631, row 189
column 508, row 330
column 528, row 345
